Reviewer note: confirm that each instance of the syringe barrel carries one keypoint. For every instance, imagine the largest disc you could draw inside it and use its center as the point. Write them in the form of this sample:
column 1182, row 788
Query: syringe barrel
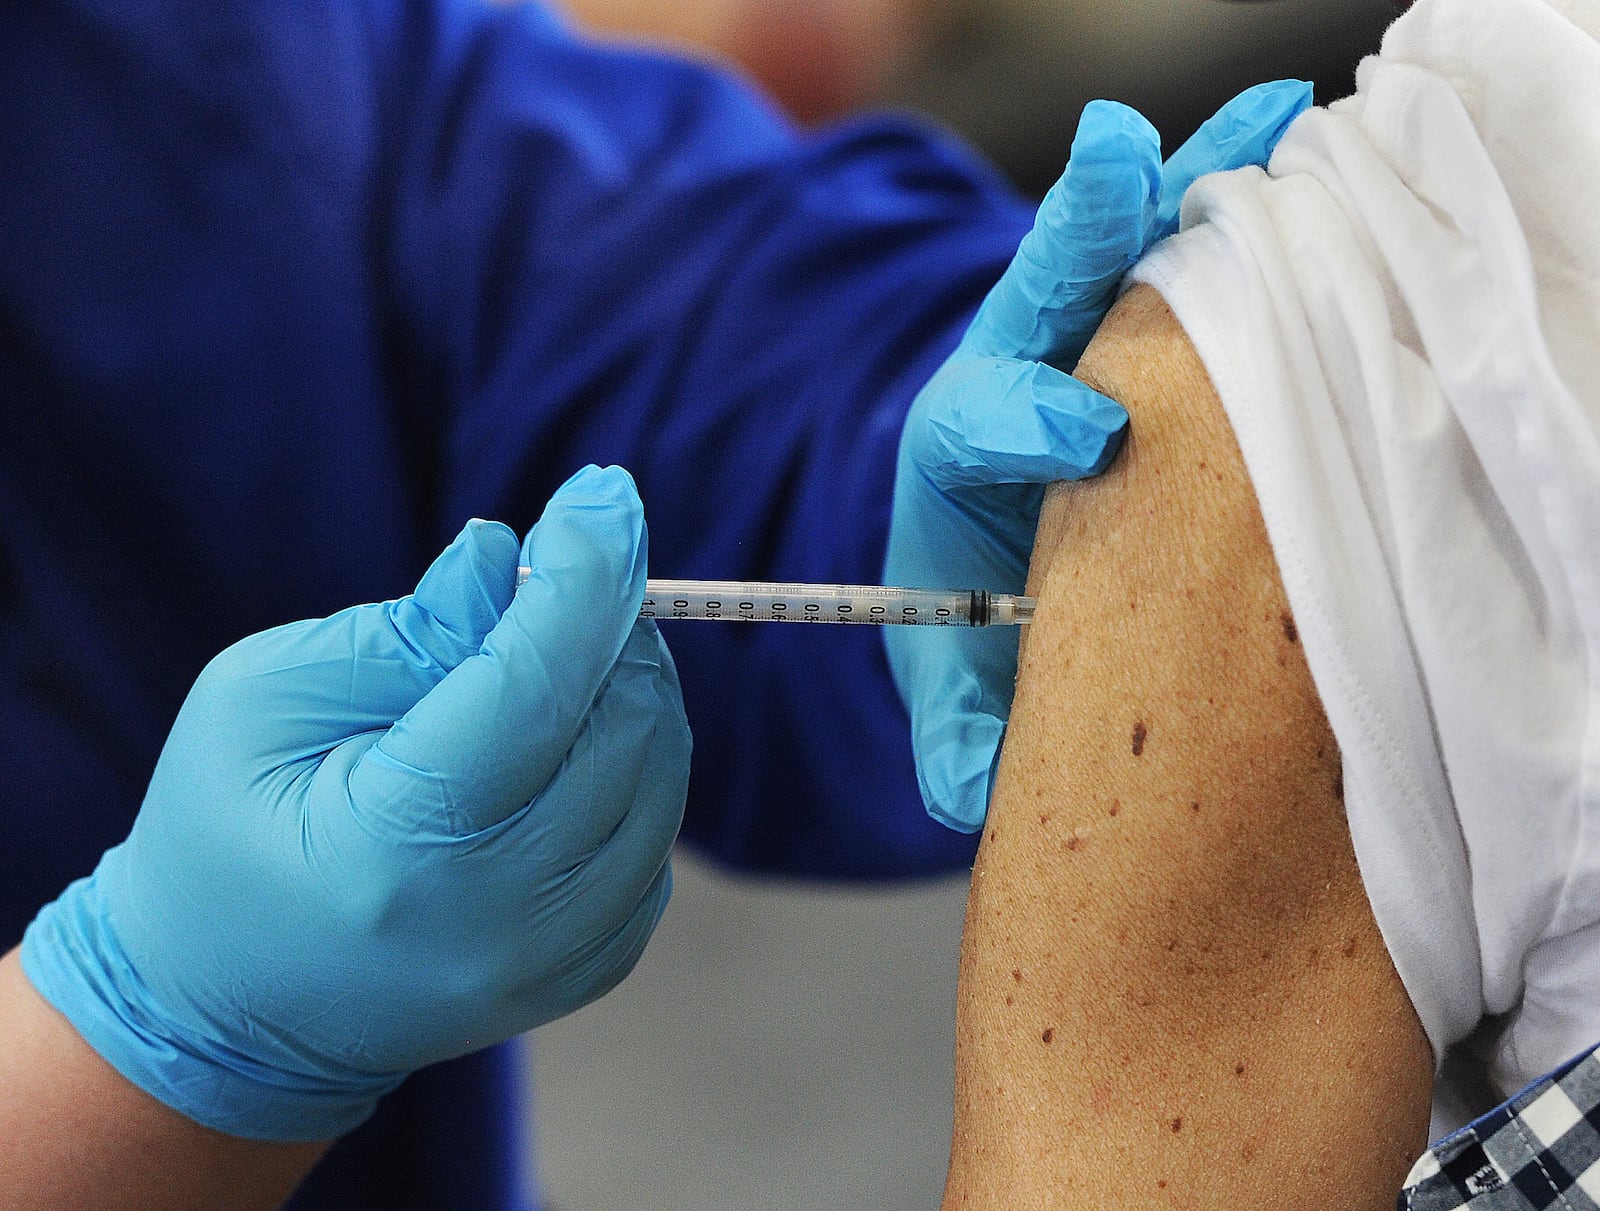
column 873, row 605
column 780, row 602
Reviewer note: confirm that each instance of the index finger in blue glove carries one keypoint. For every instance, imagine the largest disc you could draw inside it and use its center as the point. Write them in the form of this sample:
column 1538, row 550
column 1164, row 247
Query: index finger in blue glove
column 1090, row 227
column 1244, row 131
column 959, row 705
column 497, row 728
column 1113, row 199
column 632, row 744
column 455, row 604
column 404, row 648
column 1002, row 420
column 634, row 750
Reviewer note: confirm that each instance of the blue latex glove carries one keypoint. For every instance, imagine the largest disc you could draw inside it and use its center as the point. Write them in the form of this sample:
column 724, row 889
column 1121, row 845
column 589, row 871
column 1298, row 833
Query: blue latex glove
column 1001, row 418
column 390, row 837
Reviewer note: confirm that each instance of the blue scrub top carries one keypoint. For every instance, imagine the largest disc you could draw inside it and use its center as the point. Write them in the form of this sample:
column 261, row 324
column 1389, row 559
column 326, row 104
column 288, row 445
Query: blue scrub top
column 290, row 290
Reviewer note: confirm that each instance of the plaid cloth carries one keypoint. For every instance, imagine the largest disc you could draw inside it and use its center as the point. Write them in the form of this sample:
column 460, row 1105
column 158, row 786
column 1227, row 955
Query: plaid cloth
column 1540, row 1149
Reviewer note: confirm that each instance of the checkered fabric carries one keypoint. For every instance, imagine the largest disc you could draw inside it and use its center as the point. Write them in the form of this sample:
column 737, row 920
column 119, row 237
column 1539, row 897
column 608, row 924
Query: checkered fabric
column 1540, row 1149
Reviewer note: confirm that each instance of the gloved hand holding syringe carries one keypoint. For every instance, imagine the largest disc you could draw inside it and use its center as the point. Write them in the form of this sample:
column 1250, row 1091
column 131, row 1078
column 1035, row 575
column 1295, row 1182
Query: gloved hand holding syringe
column 873, row 605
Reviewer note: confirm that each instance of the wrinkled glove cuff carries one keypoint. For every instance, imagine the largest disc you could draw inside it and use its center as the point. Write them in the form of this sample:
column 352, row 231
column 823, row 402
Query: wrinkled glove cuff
column 71, row 956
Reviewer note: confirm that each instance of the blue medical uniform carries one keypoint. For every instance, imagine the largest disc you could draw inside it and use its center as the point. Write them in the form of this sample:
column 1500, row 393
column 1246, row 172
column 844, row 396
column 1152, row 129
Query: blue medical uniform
column 290, row 289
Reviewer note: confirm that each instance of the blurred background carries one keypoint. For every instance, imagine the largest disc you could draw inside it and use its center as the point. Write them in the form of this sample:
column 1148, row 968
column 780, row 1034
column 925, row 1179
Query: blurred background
column 780, row 1046
column 1012, row 75
column 787, row 1046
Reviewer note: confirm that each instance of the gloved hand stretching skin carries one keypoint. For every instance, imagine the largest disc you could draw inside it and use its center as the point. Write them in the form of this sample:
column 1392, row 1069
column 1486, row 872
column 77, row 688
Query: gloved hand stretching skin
column 1002, row 418
column 392, row 836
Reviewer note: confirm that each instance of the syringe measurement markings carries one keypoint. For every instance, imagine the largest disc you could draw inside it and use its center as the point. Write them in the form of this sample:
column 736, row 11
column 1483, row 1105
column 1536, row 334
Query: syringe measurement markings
column 877, row 605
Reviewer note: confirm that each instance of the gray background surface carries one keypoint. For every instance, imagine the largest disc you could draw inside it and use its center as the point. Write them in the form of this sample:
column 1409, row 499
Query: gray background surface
column 780, row 1045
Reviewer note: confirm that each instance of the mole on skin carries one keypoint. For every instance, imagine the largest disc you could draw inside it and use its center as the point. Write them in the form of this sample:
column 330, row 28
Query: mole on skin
column 1139, row 734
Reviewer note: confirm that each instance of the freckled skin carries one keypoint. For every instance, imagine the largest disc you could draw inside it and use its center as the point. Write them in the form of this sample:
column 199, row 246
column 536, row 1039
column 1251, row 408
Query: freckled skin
column 1184, row 948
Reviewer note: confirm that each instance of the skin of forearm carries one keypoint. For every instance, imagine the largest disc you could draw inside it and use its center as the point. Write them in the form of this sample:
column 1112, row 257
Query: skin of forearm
column 74, row 1133
column 1172, row 989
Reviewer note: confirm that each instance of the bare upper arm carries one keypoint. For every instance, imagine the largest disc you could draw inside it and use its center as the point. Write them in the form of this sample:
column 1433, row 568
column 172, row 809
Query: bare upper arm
column 1172, row 987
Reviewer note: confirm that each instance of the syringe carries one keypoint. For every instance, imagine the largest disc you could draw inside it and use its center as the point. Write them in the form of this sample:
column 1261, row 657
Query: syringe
column 872, row 605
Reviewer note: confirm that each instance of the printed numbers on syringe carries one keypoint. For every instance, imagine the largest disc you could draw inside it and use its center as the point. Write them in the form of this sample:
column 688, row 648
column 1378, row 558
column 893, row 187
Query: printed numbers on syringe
column 872, row 605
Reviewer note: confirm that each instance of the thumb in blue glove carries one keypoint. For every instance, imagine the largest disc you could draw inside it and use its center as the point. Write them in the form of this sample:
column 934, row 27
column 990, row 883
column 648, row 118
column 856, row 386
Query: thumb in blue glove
column 388, row 837
column 1002, row 418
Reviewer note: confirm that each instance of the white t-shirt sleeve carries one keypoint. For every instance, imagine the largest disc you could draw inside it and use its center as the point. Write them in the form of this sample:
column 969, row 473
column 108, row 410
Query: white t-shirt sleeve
column 1402, row 319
